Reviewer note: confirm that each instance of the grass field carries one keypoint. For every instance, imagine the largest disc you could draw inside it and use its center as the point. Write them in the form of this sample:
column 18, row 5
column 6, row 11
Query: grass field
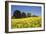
column 26, row 22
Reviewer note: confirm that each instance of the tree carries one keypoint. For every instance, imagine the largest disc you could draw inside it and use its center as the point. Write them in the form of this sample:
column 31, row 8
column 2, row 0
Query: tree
column 29, row 14
column 34, row 16
column 23, row 14
column 17, row 14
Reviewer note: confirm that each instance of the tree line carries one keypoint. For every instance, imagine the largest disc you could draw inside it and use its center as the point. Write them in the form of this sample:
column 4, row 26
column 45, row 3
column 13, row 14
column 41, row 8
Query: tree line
column 18, row 14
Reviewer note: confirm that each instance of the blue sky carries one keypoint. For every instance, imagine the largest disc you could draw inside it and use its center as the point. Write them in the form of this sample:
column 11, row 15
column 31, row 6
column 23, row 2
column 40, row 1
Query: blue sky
column 35, row 10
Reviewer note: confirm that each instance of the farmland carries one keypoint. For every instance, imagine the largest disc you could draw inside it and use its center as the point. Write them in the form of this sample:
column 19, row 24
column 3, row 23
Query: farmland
column 30, row 22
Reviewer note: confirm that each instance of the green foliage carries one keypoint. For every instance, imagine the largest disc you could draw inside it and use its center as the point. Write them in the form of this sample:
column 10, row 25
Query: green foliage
column 17, row 14
column 29, row 14
column 23, row 14
column 34, row 16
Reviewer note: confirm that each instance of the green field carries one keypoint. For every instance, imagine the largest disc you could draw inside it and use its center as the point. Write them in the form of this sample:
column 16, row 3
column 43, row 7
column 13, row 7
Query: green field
column 30, row 22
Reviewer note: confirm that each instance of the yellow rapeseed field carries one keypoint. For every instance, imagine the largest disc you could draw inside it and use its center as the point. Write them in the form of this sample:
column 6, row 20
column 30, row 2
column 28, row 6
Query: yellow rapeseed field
column 29, row 22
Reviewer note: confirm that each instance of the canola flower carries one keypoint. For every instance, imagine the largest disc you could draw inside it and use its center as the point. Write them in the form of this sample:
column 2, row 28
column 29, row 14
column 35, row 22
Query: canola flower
column 26, row 22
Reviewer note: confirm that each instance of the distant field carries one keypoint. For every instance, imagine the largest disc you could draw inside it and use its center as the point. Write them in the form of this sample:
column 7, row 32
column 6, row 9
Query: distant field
column 26, row 22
